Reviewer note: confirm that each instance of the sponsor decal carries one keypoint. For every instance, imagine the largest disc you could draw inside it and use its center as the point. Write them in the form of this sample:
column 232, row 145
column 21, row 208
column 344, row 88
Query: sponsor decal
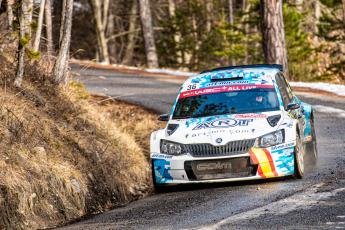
column 284, row 160
column 238, row 131
column 263, row 158
column 283, row 146
column 251, row 115
column 156, row 155
column 222, row 89
column 213, row 166
column 223, row 123
column 222, row 83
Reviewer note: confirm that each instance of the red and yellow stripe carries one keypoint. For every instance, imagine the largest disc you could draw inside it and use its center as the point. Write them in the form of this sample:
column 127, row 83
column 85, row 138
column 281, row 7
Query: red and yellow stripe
column 263, row 158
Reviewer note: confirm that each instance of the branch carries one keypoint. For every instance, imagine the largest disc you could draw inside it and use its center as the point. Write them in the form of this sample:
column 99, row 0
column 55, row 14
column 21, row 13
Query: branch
column 122, row 34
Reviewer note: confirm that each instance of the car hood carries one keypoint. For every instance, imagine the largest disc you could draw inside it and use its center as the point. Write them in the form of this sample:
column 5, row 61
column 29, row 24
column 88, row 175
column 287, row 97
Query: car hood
column 218, row 130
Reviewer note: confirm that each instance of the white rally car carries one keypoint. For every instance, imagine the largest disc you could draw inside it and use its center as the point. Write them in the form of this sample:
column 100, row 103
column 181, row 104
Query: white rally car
column 233, row 123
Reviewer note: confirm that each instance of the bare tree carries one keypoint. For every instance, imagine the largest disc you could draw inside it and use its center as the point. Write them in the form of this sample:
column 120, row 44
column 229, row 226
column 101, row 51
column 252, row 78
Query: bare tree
column 10, row 13
column 100, row 12
column 127, row 60
column 62, row 21
column 245, row 25
column 39, row 27
column 49, row 28
column 25, row 19
column 299, row 5
column 343, row 3
column 209, row 15
column 316, row 18
column 60, row 67
column 231, row 22
column 273, row 33
column 231, row 12
column 177, row 34
column 146, row 22
column 111, row 44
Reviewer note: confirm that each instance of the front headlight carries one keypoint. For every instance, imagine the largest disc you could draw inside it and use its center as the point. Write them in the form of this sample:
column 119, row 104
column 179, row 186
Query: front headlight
column 171, row 148
column 270, row 139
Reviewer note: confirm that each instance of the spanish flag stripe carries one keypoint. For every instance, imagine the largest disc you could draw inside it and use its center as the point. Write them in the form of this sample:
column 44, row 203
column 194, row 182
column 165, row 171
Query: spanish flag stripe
column 264, row 159
column 266, row 168
column 270, row 160
column 260, row 172
column 253, row 157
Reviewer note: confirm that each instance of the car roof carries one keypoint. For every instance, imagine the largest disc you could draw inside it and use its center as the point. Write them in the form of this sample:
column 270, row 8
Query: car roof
column 249, row 74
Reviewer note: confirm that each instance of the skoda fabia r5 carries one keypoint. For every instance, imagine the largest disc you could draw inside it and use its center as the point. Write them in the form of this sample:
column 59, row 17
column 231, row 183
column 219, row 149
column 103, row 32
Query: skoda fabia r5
column 233, row 123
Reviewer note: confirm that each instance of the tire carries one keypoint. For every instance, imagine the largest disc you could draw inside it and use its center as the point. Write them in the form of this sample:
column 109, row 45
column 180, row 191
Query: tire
column 299, row 157
column 311, row 147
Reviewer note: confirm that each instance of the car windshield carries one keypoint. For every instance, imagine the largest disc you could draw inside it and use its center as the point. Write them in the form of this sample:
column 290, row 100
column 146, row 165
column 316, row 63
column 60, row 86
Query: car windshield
column 245, row 101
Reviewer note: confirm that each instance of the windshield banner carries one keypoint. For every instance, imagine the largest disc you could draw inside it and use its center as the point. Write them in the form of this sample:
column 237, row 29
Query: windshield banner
column 221, row 89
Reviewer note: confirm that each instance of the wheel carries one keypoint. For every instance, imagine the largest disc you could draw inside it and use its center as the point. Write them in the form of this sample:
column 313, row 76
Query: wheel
column 157, row 188
column 311, row 147
column 299, row 157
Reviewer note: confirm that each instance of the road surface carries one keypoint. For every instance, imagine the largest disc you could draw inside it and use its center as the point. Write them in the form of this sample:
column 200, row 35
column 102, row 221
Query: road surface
column 315, row 202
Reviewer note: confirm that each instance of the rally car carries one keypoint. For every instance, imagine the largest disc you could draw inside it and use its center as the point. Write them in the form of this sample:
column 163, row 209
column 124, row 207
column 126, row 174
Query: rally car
column 233, row 123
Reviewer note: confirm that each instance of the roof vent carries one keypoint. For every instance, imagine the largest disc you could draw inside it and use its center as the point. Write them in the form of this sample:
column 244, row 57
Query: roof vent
column 227, row 76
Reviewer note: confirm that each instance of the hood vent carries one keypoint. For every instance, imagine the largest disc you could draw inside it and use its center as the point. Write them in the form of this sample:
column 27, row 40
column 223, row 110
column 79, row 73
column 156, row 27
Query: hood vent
column 171, row 128
column 273, row 120
column 226, row 79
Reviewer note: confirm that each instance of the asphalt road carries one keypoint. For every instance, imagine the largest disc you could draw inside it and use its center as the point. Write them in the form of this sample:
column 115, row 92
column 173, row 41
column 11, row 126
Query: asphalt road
column 315, row 202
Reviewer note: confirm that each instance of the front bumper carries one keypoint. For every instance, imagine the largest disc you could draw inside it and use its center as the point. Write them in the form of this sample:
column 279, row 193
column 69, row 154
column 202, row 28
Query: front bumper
column 258, row 163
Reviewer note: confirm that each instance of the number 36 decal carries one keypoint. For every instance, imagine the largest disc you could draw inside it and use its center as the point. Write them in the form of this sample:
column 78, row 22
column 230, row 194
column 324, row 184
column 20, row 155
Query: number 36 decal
column 190, row 87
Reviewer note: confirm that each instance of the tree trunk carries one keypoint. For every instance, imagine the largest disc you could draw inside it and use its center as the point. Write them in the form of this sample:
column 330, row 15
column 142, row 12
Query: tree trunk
column 231, row 12
column 25, row 18
column 127, row 60
column 299, row 5
column 177, row 34
column 111, row 44
column 62, row 21
column 343, row 3
column 147, row 27
column 231, row 22
column 100, row 13
column 60, row 67
column 39, row 27
column 49, row 28
column 10, row 13
column 245, row 19
column 273, row 33
column 317, row 15
column 209, row 15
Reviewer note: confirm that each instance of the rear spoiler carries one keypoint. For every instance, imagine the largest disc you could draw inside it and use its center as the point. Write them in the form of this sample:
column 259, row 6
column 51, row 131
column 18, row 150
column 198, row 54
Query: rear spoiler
column 272, row 66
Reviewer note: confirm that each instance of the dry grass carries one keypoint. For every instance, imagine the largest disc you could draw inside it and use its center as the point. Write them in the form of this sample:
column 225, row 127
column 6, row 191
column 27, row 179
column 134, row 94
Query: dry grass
column 65, row 154
column 131, row 119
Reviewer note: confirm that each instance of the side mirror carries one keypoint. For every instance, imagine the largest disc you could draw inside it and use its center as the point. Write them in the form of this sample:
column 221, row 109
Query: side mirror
column 163, row 117
column 292, row 106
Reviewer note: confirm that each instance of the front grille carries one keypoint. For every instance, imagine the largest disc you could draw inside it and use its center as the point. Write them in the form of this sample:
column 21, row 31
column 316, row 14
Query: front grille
column 220, row 169
column 231, row 148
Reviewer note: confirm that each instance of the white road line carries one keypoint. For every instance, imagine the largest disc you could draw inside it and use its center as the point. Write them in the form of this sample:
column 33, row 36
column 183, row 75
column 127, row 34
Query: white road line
column 331, row 110
column 303, row 200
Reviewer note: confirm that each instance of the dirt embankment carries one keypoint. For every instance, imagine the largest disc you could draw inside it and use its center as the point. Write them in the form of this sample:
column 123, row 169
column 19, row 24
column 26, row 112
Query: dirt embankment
column 65, row 154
